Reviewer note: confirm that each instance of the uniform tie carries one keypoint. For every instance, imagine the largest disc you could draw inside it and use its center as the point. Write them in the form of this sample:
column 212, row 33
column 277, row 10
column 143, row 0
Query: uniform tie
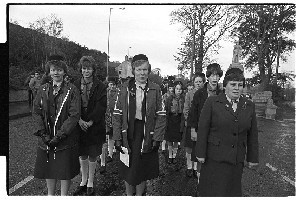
column 234, row 104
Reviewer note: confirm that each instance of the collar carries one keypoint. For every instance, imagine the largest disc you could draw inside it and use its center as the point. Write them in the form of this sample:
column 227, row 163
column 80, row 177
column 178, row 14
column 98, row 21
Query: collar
column 142, row 86
column 237, row 100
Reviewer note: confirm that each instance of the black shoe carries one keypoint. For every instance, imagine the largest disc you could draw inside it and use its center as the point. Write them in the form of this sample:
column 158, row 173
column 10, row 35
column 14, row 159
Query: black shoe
column 102, row 169
column 90, row 191
column 174, row 160
column 189, row 172
column 80, row 190
column 109, row 159
column 195, row 173
column 169, row 160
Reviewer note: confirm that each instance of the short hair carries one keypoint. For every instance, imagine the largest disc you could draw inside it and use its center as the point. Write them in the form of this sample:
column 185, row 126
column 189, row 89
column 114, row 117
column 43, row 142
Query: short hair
column 214, row 68
column 233, row 74
column 90, row 60
column 57, row 61
column 201, row 75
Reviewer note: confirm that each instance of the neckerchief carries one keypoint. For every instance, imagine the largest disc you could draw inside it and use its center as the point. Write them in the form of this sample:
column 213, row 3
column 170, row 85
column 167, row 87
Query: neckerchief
column 177, row 104
column 85, row 91
column 56, row 88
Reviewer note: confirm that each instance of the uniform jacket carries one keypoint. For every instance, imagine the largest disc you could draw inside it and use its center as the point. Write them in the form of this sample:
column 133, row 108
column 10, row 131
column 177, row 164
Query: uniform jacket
column 68, row 119
column 96, row 112
column 227, row 136
column 155, row 116
column 198, row 101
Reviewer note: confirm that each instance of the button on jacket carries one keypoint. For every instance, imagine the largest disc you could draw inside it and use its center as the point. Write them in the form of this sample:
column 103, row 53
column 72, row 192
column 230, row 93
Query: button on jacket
column 155, row 116
column 227, row 136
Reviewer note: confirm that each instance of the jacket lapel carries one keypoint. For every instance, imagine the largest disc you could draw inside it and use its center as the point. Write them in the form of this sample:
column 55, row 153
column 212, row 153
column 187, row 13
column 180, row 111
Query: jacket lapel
column 241, row 105
column 227, row 105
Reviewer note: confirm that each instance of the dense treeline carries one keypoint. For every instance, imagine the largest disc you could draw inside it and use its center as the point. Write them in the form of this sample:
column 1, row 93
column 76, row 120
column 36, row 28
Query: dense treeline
column 29, row 50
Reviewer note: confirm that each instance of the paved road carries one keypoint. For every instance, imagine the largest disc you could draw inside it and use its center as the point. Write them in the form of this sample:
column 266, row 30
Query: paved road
column 274, row 177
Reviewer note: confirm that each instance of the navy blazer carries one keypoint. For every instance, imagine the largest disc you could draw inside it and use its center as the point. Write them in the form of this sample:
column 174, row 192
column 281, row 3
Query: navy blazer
column 227, row 136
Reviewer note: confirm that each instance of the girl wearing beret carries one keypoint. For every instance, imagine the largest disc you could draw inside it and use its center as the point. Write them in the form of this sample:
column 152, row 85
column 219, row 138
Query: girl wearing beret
column 138, row 127
column 227, row 135
column 175, row 121
column 56, row 110
column 91, row 123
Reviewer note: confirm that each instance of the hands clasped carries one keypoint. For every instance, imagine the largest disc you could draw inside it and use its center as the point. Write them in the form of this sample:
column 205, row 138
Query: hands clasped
column 85, row 125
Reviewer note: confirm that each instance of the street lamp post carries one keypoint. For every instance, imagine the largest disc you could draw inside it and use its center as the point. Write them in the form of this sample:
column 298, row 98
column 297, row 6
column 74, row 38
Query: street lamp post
column 108, row 39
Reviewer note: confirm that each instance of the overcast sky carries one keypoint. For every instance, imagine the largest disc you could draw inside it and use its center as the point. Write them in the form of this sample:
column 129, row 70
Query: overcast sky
column 144, row 28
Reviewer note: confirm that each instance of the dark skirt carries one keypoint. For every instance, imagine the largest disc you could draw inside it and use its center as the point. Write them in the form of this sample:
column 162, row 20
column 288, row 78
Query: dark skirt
column 220, row 179
column 65, row 166
column 173, row 132
column 187, row 138
column 142, row 167
column 92, row 150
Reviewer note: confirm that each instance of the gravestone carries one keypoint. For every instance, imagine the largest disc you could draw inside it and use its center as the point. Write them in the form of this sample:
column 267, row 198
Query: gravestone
column 261, row 99
column 270, row 110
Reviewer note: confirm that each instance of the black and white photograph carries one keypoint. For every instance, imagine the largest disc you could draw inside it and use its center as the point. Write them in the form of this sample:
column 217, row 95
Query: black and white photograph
column 189, row 99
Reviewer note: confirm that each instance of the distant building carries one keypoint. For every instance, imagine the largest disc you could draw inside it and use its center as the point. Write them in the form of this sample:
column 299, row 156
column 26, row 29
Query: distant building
column 124, row 69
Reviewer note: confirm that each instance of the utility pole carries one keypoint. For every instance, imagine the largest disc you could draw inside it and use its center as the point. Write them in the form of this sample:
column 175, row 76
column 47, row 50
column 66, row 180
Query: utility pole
column 193, row 47
column 278, row 54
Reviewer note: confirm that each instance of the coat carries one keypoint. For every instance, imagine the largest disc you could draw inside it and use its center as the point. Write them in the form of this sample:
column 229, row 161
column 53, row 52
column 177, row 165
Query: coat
column 198, row 101
column 227, row 136
column 96, row 109
column 68, row 119
column 155, row 116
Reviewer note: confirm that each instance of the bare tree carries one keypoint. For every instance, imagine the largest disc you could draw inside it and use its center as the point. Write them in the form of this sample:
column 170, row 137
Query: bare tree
column 212, row 23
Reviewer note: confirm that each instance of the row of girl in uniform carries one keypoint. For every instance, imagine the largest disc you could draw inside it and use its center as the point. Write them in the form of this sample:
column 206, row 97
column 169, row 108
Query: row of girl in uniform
column 72, row 124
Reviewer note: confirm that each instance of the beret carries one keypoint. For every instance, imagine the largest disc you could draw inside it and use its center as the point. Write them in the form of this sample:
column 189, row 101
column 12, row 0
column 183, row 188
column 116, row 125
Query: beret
column 233, row 71
column 139, row 57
